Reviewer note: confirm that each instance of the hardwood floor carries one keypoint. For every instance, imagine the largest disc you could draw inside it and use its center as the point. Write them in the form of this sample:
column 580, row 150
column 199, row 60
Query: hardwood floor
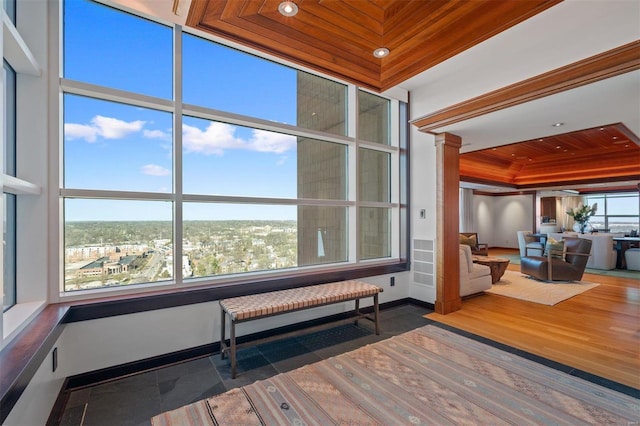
column 597, row 331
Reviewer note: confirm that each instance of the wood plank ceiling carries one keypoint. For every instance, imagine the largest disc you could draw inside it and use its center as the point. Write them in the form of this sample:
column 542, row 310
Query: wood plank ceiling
column 601, row 154
column 338, row 37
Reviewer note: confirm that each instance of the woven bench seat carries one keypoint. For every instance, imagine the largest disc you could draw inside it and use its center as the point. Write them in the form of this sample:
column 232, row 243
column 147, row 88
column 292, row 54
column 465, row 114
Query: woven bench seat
column 255, row 306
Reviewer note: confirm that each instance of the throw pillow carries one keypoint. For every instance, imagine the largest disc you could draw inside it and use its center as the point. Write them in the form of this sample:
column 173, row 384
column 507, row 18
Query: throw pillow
column 557, row 248
column 468, row 241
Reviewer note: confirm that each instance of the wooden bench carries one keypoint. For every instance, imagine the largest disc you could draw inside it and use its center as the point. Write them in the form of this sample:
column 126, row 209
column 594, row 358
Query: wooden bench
column 256, row 306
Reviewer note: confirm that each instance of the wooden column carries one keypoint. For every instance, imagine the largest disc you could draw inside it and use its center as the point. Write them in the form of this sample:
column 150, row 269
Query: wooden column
column 448, row 207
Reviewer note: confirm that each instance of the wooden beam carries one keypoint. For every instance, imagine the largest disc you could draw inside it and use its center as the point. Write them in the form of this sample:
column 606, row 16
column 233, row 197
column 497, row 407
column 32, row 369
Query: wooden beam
column 605, row 65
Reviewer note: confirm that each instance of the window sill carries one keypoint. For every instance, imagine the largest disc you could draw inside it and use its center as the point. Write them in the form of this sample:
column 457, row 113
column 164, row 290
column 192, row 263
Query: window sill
column 22, row 356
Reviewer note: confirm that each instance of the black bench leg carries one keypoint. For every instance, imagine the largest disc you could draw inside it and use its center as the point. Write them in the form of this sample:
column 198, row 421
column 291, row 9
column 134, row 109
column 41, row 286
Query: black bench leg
column 357, row 312
column 223, row 345
column 233, row 348
column 376, row 312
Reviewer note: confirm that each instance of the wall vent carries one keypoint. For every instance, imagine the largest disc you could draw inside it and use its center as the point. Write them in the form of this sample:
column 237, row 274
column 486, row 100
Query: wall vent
column 423, row 262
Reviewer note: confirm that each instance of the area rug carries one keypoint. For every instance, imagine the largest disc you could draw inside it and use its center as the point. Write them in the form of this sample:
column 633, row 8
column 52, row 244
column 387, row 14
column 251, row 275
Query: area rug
column 514, row 284
column 423, row 377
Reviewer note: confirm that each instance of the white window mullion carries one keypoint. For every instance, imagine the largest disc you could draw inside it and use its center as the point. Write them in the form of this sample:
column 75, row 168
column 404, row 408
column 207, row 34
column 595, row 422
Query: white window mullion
column 352, row 119
column 395, row 177
column 177, row 156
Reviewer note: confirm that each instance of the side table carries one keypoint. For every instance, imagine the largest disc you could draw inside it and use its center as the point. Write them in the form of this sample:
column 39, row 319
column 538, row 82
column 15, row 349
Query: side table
column 497, row 264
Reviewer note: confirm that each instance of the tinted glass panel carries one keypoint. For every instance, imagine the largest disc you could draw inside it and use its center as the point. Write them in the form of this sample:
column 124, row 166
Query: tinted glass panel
column 10, row 7
column 224, row 159
column 622, row 205
column 375, row 233
column 624, row 224
column 222, row 239
column 111, row 48
column 373, row 118
column 116, row 243
column 322, row 235
column 9, row 243
column 226, row 79
column 113, row 146
column 374, row 176
column 9, row 140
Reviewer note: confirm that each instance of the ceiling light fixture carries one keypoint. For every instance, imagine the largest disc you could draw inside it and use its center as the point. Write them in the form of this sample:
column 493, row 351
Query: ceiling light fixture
column 288, row 8
column 381, row 52
column 558, row 124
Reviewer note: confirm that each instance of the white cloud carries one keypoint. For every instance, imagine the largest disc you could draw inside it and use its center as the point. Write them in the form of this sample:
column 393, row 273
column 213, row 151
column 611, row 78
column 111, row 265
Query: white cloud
column 112, row 128
column 156, row 134
column 106, row 127
column 214, row 140
column 154, row 170
column 218, row 137
column 282, row 160
column 263, row 141
column 80, row 131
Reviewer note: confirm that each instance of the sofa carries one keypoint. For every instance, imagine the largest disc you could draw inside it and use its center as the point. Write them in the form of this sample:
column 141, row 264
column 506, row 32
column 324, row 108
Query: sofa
column 474, row 278
column 603, row 252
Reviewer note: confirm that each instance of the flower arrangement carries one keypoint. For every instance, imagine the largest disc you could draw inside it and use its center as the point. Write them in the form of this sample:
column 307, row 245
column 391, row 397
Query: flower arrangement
column 582, row 214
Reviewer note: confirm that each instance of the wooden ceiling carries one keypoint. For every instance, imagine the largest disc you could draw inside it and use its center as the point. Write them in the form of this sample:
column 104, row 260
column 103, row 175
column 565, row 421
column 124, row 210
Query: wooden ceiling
column 602, row 154
column 338, row 37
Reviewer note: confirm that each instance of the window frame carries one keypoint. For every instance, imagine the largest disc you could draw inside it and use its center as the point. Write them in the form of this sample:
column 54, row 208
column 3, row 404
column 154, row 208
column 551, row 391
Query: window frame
column 21, row 182
column 180, row 110
column 603, row 209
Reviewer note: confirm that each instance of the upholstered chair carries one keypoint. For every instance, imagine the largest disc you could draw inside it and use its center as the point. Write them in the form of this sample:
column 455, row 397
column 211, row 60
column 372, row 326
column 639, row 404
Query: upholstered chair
column 474, row 278
column 559, row 264
column 529, row 245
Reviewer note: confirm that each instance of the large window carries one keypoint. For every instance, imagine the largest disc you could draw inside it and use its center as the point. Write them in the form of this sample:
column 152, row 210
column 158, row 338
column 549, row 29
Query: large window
column 8, row 199
column 248, row 166
column 620, row 213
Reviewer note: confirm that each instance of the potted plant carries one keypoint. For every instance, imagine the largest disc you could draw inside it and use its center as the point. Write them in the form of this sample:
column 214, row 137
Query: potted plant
column 581, row 216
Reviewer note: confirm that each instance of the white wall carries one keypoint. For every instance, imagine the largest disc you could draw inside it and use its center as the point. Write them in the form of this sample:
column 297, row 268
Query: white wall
column 34, row 406
column 423, row 197
column 498, row 218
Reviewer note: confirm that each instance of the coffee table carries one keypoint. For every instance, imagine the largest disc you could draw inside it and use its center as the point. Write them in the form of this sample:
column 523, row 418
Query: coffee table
column 497, row 264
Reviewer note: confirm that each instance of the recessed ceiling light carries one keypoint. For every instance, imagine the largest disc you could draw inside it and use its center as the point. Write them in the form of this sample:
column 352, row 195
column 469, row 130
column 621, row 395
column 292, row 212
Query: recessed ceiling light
column 288, row 8
column 558, row 124
column 381, row 52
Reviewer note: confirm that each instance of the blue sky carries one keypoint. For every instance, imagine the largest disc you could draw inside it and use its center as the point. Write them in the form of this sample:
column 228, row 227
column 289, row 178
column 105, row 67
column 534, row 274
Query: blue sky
column 112, row 146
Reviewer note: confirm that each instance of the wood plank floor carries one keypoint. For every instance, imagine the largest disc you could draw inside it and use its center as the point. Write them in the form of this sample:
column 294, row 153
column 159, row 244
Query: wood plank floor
column 597, row 331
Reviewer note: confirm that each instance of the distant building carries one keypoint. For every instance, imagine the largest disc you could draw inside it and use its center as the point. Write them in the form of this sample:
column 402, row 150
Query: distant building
column 106, row 266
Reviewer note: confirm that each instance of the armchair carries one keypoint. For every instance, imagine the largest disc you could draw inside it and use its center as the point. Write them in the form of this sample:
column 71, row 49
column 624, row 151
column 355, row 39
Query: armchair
column 529, row 245
column 474, row 278
column 559, row 265
column 471, row 239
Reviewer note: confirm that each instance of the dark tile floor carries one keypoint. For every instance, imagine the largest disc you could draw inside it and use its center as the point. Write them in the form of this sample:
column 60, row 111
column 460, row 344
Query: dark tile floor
column 134, row 400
